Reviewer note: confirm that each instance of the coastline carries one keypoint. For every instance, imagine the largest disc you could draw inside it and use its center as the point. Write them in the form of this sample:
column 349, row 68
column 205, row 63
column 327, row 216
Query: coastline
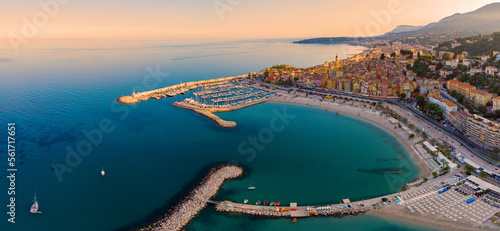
column 361, row 113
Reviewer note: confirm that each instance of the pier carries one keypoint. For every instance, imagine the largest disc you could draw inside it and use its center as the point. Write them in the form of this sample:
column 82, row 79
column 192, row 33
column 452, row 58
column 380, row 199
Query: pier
column 194, row 202
column 294, row 211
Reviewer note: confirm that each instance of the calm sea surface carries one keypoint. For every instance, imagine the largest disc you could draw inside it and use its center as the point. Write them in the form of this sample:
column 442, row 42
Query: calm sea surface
column 60, row 94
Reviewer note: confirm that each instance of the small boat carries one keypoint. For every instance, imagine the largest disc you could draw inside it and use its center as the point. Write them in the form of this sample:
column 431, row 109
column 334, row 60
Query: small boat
column 266, row 202
column 257, row 203
column 34, row 207
column 293, row 209
column 251, row 188
column 245, row 201
column 294, row 220
column 102, row 171
column 277, row 204
column 272, row 203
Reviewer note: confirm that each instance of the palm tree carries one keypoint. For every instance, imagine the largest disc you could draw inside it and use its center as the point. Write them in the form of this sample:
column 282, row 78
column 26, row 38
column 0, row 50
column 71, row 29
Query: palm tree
column 469, row 168
column 483, row 175
column 433, row 141
column 424, row 135
column 495, row 151
column 442, row 147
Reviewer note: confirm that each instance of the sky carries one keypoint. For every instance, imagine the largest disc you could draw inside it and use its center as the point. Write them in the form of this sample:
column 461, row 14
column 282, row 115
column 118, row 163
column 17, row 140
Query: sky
column 217, row 19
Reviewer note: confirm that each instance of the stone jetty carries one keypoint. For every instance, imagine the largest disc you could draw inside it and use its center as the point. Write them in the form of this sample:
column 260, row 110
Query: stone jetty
column 208, row 112
column 256, row 211
column 285, row 211
column 220, row 122
column 194, row 202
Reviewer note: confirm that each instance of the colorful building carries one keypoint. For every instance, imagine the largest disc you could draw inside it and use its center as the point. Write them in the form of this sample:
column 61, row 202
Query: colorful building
column 461, row 88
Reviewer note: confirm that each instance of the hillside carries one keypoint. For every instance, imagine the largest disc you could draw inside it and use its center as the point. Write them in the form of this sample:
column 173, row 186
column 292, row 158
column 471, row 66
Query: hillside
column 475, row 45
column 484, row 20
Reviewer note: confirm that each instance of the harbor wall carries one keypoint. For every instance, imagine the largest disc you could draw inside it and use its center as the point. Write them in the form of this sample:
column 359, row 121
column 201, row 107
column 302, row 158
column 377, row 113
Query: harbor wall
column 181, row 214
column 134, row 98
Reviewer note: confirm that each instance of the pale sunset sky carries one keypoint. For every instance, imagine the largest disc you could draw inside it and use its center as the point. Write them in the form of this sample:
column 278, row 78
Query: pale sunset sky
column 226, row 19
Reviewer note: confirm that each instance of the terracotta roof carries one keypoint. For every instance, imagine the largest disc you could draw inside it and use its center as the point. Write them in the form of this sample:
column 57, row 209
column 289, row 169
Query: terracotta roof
column 461, row 84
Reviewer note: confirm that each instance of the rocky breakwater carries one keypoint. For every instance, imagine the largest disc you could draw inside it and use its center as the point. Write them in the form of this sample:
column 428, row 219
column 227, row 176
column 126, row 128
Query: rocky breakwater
column 128, row 99
column 346, row 212
column 207, row 113
column 227, row 206
column 196, row 200
column 220, row 122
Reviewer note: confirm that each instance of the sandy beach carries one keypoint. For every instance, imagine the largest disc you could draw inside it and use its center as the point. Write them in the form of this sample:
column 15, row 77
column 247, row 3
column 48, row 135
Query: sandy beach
column 398, row 213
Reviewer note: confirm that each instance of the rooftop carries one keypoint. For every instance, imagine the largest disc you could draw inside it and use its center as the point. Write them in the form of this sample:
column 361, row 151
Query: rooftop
column 461, row 84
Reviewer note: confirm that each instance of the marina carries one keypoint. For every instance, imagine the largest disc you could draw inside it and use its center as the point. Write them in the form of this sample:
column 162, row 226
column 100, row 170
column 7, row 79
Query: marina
column 210, row 96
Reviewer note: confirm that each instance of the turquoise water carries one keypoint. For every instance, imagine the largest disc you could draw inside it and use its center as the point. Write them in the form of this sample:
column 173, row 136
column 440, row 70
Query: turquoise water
column 154, row 152
column 210, row 220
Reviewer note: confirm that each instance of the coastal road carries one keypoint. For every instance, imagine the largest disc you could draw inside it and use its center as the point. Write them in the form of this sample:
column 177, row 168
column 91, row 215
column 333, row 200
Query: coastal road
column 474, row 148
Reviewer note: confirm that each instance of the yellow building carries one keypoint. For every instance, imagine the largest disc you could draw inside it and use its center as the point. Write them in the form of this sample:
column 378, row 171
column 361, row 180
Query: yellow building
column 484, row 131
column 461, row 88
column 481, row 97
column 356, row 87
column 331, row 83
column 496, row 103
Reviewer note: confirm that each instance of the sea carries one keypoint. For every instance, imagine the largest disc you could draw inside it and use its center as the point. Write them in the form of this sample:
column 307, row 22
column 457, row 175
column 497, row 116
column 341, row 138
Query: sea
column 60, row 97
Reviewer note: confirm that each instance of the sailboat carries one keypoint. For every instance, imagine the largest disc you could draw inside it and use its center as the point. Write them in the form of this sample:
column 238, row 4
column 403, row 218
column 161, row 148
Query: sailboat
column 34, row 207
column 102, row 171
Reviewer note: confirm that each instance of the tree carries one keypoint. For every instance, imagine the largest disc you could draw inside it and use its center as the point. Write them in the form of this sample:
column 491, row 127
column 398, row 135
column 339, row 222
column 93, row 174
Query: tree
column 411, row 126
column 433, row 141
column 411, row 136
column 465, row 102
column 434, row 174
column 453, row 93
column 402, row 96
column 446, row 56
column 425, row 179
column 483, row 175
column 497, row 113
column 382, row 57
column 469, row 168
column 393, row 54
column 420, row 100
column 439, row 112
column 496, row 151
column 482, row 109
column 405, row 120
column 424, row 135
